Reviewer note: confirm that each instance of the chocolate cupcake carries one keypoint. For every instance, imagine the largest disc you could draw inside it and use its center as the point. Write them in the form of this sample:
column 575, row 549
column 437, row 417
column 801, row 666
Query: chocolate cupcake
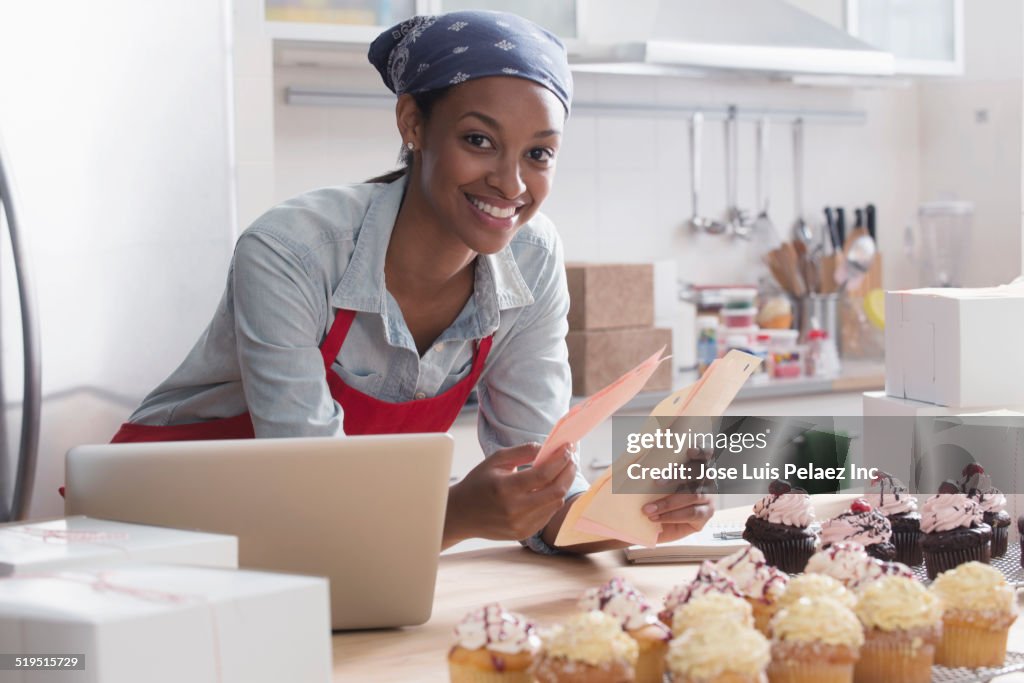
column 889, row 496
column 779, row 527
column 861, row 524
column 954, row 532
column 978, row 486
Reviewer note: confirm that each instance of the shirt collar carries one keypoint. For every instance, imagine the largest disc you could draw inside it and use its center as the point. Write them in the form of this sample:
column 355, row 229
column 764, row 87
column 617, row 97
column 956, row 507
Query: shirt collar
column 499, row 283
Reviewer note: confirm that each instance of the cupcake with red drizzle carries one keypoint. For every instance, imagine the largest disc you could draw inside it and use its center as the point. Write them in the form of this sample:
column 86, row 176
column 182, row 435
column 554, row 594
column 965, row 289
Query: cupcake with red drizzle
column 779, row 527
column 861, row 524
column 850, row 564
column 620, row 600
column 760, row 583
column 978, row 486
column 493, row 646
column 954, row 530
column 890, row 497
column 708, row 580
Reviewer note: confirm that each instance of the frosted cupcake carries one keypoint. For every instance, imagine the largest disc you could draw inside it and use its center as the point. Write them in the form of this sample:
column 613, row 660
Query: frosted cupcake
column 814, row 640
column 493, row 646
column 724, row 652
column 979, row 608
column 954, row 532
column 780, row 525
column 637, row 617
column 708, row 608
column 816, row 586
column 978, row 487
column 890, row 497
column 760, row 583
column 849, row 564
column 902, row 628
column 709, row 580
column 589, row 647
column 861, row 524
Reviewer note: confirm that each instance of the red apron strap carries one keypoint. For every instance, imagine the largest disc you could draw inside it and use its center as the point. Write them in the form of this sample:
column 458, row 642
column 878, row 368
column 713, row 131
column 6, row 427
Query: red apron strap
column 336, row 336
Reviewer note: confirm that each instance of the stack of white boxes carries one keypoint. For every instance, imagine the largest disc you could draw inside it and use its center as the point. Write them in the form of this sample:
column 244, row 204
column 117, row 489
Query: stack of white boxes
column 132, row 603
column 953, row 353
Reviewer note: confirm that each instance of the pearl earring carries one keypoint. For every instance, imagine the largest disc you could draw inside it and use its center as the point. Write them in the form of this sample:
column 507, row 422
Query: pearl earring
column 409, row 146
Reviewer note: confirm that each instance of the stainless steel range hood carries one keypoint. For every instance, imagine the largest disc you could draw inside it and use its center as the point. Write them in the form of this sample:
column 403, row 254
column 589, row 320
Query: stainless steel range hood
column 681, row 36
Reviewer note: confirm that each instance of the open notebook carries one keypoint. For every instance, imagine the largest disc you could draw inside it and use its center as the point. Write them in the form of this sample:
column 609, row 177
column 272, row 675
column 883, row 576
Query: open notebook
column 712, row 542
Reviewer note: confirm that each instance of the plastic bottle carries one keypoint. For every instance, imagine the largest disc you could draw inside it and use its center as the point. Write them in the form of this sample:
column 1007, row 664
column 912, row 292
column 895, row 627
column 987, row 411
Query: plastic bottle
column 707, row 341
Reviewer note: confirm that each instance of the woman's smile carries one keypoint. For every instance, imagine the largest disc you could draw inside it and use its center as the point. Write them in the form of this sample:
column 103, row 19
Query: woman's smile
column 498, row 214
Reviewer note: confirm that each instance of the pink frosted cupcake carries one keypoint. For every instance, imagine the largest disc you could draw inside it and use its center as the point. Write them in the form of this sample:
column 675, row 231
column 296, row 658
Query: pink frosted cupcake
column 709, row 580
column 978, row 486
column 954, row 532
column 890, row 497
column 779, row 527
column 861, row 524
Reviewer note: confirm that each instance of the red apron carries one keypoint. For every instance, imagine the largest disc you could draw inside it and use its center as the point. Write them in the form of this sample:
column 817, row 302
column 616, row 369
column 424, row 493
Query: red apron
column 363, row 414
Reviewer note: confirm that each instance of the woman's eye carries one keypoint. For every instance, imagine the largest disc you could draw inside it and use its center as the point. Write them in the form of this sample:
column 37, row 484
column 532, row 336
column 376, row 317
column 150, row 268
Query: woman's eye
column 542, row 154
column 478, row 140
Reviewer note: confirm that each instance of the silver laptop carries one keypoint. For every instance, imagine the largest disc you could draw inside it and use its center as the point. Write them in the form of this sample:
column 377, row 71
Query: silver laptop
column 366, row 512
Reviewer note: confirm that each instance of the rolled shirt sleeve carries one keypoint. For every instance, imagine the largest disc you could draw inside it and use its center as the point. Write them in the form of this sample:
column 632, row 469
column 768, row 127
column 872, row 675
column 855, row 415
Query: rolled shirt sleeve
column 527, row 388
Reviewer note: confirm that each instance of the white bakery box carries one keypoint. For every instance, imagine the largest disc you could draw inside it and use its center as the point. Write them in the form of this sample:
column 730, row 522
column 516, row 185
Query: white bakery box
column 956, row 347
column 168, row 624
column 79, row 541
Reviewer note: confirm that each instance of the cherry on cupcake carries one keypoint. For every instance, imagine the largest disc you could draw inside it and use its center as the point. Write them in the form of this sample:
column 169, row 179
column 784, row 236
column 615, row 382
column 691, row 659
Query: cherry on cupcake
column 860, row 506
column 779, row 487
column 971, row 469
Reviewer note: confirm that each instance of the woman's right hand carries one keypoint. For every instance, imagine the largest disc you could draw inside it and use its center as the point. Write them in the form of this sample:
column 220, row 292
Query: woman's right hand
column 497, row 501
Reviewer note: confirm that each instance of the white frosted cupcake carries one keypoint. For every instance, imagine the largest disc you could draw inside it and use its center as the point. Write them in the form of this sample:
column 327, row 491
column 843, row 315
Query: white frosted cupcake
column 816, row 586
column 589, row 647
column 902, row 627
column 849, row 564
column 637, row 617
column 724, row 652
column 760, row 583
column 814, row 640
column 978, row 609
column 709, row 580
column 493, row 646
column 710, row 608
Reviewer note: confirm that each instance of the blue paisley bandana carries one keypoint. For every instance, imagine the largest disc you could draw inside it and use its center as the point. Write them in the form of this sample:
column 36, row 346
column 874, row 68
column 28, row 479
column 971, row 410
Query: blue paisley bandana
column 432, row 52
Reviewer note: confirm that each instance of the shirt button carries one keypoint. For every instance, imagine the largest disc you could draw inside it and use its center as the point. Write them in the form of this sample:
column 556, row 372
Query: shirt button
column 420, row 395
column 439, row 347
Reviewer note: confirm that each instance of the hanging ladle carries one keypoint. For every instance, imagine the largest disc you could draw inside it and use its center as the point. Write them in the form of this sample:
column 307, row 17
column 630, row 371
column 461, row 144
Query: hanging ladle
column 697, row 221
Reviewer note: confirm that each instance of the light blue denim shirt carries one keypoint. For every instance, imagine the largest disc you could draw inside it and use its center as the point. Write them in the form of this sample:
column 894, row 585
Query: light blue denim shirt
column 324, row 250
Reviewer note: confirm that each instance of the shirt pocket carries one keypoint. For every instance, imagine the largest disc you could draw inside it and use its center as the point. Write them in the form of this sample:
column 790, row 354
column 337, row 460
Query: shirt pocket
column 366, row 381
column 459, row 371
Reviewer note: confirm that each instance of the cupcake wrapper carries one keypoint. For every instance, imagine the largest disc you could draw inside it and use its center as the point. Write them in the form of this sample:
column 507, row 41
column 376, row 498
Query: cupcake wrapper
column 461, row 673
column 908, row 547
column 943, row 560
column 727, row 677
column 809, row 672
column 789, row 555
column 972, row 647
column 763, row 613
column 1000, row 539
column 650, row 665
column 894, row 662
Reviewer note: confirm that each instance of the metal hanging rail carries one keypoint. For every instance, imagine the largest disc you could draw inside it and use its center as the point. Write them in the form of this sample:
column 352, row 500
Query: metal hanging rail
column 304, row 96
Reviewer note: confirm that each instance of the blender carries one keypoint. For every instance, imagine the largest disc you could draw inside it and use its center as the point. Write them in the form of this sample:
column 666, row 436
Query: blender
column 943, row 233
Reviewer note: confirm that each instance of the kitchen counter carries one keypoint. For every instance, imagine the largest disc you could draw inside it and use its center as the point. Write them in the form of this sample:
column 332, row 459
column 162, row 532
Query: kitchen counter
column 545, row 589
column 855, row 376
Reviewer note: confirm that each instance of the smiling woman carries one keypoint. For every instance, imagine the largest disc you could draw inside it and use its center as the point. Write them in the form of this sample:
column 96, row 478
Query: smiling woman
column 378, row 307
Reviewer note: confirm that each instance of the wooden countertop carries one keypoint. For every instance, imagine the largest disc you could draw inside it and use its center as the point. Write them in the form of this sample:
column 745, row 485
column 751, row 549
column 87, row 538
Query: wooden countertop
column 543, row 588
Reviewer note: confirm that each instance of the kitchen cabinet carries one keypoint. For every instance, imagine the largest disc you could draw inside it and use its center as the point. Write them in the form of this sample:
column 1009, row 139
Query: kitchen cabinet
column 360, row 21
column 926, row 37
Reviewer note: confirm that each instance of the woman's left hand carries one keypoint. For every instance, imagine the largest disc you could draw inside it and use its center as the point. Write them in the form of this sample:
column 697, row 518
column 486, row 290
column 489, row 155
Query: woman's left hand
column 680, row 514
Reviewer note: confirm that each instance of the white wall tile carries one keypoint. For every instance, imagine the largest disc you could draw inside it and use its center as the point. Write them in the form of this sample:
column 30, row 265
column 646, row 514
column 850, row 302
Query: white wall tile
column 254, row 119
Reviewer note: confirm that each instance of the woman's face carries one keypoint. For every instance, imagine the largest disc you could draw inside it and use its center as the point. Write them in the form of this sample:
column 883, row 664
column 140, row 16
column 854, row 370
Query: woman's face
column 485, row 158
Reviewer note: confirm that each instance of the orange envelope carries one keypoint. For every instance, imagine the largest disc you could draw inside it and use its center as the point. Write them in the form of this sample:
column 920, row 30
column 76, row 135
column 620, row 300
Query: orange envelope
column 620, row 516
column 584, row 416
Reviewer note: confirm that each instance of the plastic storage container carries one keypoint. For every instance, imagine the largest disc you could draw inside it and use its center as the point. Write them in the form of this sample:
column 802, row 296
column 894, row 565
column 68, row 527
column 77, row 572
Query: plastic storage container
column 739, row 297
column 739, row 317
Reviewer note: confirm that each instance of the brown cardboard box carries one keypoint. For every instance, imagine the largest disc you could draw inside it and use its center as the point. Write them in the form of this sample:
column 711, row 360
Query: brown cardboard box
column 610, row 295
column 599, row 357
